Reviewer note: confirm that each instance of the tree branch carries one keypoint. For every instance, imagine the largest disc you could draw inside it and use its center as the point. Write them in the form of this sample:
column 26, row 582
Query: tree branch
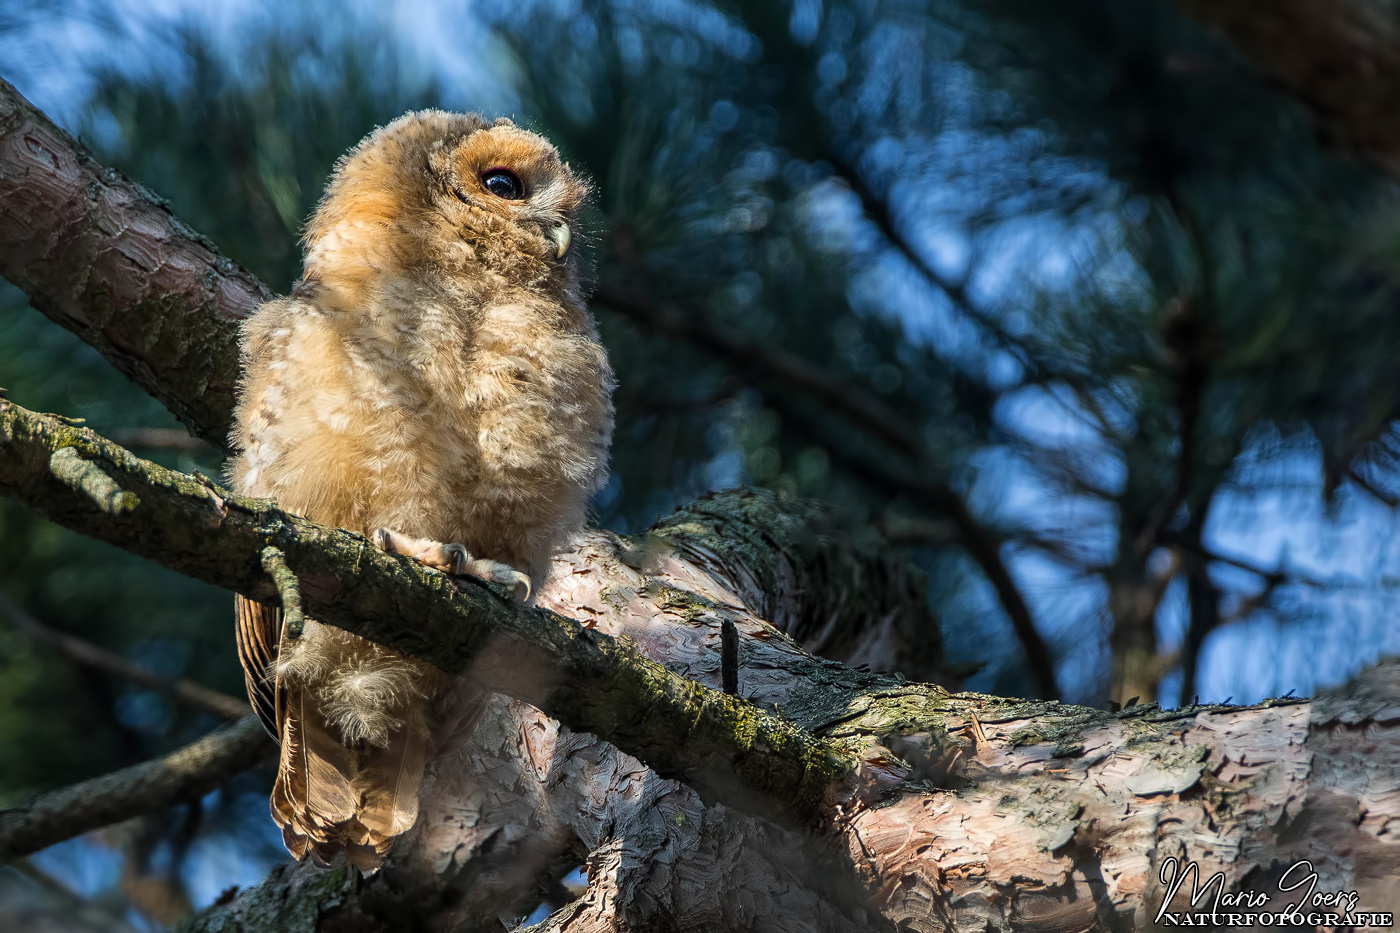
column 85, row 652
column 720, row 745
column 790, row 561
column 106, row 259
column 981, row 543
column 181, row 776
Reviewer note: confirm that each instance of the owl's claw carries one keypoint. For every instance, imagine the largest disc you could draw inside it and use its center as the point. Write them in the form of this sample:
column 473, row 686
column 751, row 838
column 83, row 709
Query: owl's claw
column 496, row 572
column 449, row 558
column 453, row 559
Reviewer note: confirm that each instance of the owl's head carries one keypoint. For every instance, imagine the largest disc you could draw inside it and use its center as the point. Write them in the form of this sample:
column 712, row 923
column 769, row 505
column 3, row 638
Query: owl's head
column 450, row 190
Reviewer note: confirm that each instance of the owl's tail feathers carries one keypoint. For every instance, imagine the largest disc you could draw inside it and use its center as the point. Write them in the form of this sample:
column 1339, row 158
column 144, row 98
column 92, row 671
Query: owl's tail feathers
column 313, row 798
column 387, row 785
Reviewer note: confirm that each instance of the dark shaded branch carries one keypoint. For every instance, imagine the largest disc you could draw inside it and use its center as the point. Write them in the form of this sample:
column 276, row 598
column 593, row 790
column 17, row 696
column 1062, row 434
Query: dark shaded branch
column 1341, row 57
column 799, row 569
column 181, row 776
column 981, row 543
column 85, row 652
column 105, row 258
column 722, row 746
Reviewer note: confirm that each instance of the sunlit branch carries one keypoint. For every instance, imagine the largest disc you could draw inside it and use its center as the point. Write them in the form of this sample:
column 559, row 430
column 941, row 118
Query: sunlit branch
column 718, row 744
column 103, row 257
column 86, row 653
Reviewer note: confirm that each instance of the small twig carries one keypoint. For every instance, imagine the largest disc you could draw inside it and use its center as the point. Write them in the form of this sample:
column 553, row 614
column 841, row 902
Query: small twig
column 293, row 622
column 212, row 490
column 729, row 657
column 153, row 786
column 85, row 652
column 1366, row 485
column 86, row 477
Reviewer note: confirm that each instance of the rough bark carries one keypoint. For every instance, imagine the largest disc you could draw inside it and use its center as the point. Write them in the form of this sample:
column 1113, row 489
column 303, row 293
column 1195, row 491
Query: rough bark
column 965, row 812
column 1037, row 816
column 1342, row 57
column 106, row 259
column 184, row 775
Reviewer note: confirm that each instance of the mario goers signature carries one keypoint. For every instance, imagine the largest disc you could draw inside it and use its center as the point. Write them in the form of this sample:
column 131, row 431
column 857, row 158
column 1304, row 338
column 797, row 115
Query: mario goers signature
column 1313, row 908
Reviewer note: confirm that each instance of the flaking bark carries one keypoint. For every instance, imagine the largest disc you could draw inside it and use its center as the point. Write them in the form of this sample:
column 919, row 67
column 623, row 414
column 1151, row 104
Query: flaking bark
column 1040, row 816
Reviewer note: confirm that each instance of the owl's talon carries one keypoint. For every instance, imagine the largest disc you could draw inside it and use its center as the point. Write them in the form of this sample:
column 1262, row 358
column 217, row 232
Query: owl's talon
column 458, row 557
column 519, row 584
column 449, row 558
column 493, row 571
column 454, row 559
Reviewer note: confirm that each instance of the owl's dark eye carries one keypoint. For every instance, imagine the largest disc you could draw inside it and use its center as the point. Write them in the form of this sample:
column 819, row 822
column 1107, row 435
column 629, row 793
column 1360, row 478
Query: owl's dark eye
column 503, row 183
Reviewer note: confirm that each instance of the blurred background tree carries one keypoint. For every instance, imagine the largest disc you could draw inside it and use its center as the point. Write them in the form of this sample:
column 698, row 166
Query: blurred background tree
column 1064, row 298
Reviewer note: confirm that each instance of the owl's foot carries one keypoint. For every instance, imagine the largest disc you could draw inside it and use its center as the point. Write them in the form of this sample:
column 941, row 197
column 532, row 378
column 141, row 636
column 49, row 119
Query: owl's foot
column 493, row 571
column 454, row 559
column 449, row 558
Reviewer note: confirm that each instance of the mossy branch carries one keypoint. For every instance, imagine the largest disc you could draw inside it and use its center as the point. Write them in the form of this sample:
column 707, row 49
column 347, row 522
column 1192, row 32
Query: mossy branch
column 724, row 747
column 293, row 620
column 87, row 478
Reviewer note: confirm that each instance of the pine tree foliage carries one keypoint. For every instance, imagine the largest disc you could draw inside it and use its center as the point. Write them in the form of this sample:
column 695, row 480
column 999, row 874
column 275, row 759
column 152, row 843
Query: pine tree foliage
column 1077, row 263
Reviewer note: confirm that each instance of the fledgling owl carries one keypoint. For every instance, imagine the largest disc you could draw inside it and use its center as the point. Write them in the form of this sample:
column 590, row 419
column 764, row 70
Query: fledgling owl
column 435, row 381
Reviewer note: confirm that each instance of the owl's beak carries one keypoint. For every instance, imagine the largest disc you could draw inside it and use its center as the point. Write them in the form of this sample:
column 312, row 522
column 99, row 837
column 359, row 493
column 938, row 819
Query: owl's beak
column 558, row 232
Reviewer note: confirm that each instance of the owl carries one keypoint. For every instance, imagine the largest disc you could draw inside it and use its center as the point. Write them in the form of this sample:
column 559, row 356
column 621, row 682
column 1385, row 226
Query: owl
column 435, row 381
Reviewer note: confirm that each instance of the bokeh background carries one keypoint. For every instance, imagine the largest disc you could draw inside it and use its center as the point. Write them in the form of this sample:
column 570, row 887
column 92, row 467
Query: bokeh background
column 1062, row 298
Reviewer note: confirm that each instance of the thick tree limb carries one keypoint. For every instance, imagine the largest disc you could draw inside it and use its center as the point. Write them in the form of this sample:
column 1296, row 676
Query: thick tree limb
column 796, row 568
column 179, row 777
column 1341, row 57
column 105, row 258
column 85, row 652
column 592, row 683
column 1096, row 799
column 1057, row 818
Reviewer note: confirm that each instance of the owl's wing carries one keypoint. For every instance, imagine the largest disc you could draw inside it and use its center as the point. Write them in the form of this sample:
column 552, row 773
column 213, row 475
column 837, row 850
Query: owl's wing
column 258, row 629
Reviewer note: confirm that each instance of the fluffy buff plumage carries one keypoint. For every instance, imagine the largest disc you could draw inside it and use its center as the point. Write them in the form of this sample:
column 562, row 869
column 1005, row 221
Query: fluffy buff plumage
column 436, row 374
